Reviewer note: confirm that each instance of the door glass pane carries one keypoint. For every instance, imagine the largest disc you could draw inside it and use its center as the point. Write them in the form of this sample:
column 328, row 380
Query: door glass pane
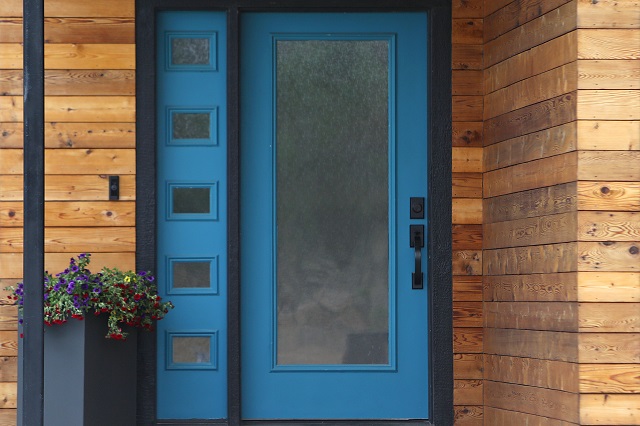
column 191, row 200
column 191, row 275
column 332, row 143
column 191, row 350
column 190, row 51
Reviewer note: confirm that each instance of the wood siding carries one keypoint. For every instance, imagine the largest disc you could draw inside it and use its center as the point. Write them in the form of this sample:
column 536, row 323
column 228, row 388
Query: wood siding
column 467, row 89
column 89, row 132
column 561, row 203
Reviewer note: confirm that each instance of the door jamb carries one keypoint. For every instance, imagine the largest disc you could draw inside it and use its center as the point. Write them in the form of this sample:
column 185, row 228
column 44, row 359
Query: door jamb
column 439, row 268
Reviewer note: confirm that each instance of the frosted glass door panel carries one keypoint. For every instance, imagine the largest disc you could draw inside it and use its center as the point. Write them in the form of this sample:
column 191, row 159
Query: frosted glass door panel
column 332, row 211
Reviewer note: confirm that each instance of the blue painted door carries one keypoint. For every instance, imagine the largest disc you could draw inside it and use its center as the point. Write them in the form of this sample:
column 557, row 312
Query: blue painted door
column 192, row 213
column 333, row 146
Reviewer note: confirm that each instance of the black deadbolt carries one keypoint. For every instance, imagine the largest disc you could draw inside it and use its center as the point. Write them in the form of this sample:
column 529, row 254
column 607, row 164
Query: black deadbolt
column 417, row 208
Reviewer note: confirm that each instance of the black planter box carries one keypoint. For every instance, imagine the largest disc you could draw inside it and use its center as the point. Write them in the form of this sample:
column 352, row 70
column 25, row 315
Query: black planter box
column 88, row 380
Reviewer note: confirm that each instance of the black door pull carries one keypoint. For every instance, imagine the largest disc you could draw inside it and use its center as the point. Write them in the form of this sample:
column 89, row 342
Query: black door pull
column 417, row 242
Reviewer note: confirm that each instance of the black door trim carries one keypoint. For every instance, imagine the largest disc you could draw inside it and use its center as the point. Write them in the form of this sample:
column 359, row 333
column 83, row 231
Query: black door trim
column 439, row 188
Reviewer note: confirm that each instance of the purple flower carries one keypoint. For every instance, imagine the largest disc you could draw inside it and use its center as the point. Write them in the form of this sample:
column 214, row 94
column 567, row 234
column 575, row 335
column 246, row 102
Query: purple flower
column 82, row 256
column 142, row 273
column 97, row 290
column 75, row 268
column 56, row 287
column 63, row 281
column 46, row 296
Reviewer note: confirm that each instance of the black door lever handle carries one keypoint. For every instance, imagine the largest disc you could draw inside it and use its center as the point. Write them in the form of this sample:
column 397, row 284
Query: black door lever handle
column 417, row 242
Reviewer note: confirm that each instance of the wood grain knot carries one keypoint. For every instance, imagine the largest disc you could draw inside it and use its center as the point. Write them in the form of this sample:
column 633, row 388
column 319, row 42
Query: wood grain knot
column 11, row 213
column 605, row 190
column 634, row 250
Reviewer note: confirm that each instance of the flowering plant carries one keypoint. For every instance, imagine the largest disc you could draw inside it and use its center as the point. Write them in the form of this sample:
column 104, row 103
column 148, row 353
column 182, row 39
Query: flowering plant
column 128, row 298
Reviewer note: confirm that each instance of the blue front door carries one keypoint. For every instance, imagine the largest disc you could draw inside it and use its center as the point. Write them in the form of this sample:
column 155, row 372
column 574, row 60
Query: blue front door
column 333, row 148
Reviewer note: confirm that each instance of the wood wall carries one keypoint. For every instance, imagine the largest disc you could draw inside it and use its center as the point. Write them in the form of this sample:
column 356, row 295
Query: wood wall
column 561, row 201
column 89, row 131
column 467, row 89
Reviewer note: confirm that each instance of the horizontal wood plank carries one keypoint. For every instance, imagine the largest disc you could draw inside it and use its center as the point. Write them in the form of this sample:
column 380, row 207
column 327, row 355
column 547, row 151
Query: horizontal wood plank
column 496, row 416
column 545, row 172
column 608, row 104
column 8, row 395
column 113, row 8
column 467, row 133
column 8, row 318
column 547, row 56
column 609, row 196
column 609, row 378
column 609, row 409
column 517, row 13
column 466, row 211
column 468, row 415
column 544, row 259
column 11, row 83
column 466, row 185
column 608, row 226
column 11, row 8
column 538, row 401
column 463, row 57
column 10, row 30
column 11, row 263
column 467, row 392
column 11, row 162
column 491, row 6
column 467, row 8
column 609, row 256
column 608, row 44
column 90, row 161
column 69, row 187
column 467, row 288
column 609, row 317
column 466, row 108
column 558, row 228
column 609, row 135
column 542, row 373
column 466, row 31
column 536, row 202
column 549, row 26
column 8, row 343
column 534, row 118
column 532, row 90
column 91, row 109
column 609, row 287
column 465, row 237
column 95, row 239
column 467, row 314
column 466, row 160
column 608, row 14
column 89, row 30
column 533, row 146
column 89, row 82
column 468, row 366
column 551, row 316
column 74, row 135
column 467, row 262
column 608, row 74
column 11, row 108
column 11, row 56
column 466, row 82
column 560, row 287
column 551, row 345
column 100, row 213
column 468, row 340
column 9, row 369
column 89, row 56
column 609, row 348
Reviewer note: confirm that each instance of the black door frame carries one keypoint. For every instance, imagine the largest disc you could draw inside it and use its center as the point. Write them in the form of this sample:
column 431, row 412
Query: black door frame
column 439, row 190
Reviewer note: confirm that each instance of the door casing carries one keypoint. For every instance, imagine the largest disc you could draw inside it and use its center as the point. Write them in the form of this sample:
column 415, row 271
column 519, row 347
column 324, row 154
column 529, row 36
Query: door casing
column 439, row 272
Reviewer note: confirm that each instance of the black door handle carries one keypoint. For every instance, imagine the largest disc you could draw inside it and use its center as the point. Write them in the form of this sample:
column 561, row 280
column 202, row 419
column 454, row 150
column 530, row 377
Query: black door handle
column 417, row 242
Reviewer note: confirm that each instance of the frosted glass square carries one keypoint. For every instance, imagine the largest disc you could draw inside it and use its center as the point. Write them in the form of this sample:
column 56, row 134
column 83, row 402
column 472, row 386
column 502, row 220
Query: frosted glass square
column 191, row 350
column 190, row 51
column 191, row 125
column 191, row 200
column 191, row 274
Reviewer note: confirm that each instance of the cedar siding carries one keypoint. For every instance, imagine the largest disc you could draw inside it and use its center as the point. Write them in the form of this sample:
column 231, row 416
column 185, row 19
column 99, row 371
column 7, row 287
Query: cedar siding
column 545, row 187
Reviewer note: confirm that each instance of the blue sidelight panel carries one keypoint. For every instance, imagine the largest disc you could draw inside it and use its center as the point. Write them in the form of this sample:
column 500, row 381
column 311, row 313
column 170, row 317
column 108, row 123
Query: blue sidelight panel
column 191, row 116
